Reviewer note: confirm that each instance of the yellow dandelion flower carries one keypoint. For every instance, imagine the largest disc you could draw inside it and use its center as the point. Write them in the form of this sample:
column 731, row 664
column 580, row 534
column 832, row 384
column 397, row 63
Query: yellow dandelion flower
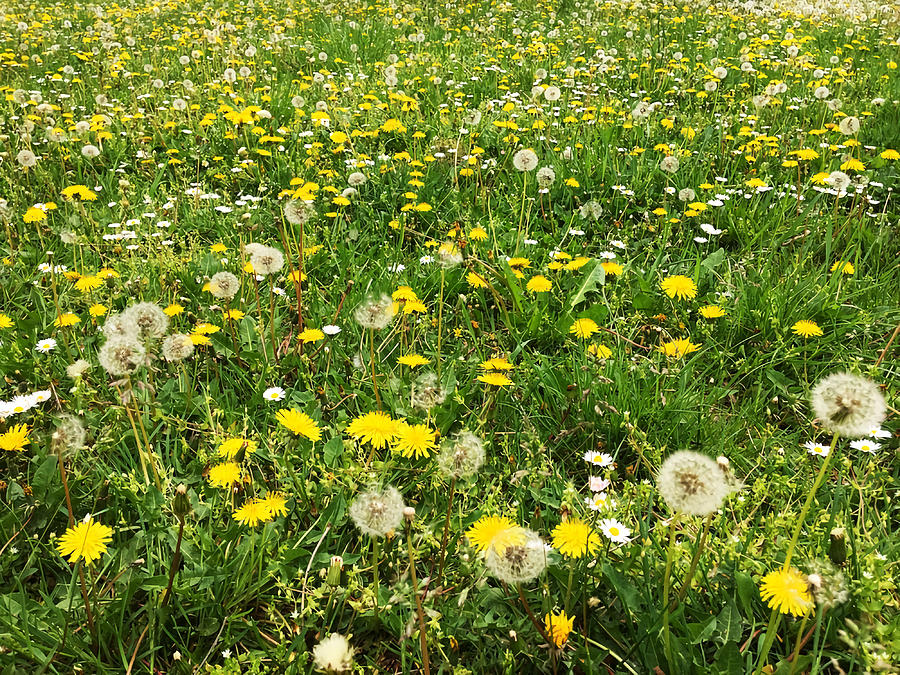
column 496, row 363
column 275, row 503
column 495, row 379
column 712, row 312
column 311, row 335
column 66, row 320
column 787, row 591
column 224, row 475
column 486, row 529
column 5, row 321
column 844, row 267
column 299, row 423
column 476, row 280
column 539, row 284
column 88, row 283
column 600, row 351
column 806, row 328
column 228, row 449
column 679, row 287
column 584, row 328
column 377, row 428
column 15, row 438
column 574, row 538
column 414, row 440
column 252, row 513
column 97, row 309
column 558, row 627
column 87, row 540
column 413, row 360
column 678, row 348
column 174, row 309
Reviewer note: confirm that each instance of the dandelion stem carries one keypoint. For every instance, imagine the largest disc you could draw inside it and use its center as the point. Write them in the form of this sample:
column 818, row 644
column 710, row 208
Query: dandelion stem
column 423, row 641
column 801, row 519
column 440, row 325
column 667, row 586
column 771, row 630
column 534, row 619
column 372, row 367
column 693, row 566
column 376, row 551
column 173, row 567
column 272, row 320
column 446, row 531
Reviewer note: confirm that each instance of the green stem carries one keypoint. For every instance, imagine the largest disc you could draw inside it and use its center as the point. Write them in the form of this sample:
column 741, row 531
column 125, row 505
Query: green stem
column 667, row 586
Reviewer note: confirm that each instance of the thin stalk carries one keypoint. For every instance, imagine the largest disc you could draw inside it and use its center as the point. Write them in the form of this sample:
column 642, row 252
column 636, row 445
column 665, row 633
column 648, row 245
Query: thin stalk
column 534, row 619
column 440, row 326
column 272, row 322
column 376, row 551
column 446, row 531
column 173, row 567
column 372, row 366
column 694, row 560
column 667, row 586
column 423, row 641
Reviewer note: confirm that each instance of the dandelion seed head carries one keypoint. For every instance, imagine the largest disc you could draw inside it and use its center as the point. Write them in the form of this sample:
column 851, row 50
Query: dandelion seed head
column 378, row 512
column 848, row 405
column 151, row 321
column 69, row 434
column 333, row 654
column 177, row 347
column 461, row 455
column 375, row 312
column 224, row 285
column 267, row 260
column 693, row 484
column 121, row 355
column 521, row 557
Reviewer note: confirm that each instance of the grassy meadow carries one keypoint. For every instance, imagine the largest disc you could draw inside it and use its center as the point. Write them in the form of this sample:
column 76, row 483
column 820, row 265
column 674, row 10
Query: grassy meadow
column 413, row 337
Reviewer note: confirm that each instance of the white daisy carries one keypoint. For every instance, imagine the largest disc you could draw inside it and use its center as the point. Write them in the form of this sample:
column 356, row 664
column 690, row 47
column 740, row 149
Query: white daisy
column 615, row 531
column 817, row 449
column 274, row 394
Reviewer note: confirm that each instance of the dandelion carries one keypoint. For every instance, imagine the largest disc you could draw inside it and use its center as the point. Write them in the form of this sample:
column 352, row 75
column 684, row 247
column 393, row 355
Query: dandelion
column 848, row 405
column 558, row 627
column 574, row 538
column 486, row 529
column 584, row 328
column 275, row 503
column 118, row 325
column 224, row 475
column 692, row 483
column 66, row 320
column 679, row 286
column 806, row 329
column 311, row 335
column 177, row 347
column 85, row 541
column 230, row 448
column 224, row 285
column 68, row 436
column 298, row 212
column 427, row 392
column 266, row 260
column 539, row 284
column 252, row 513
column 462, row 455
column 522, row 557
column 333, row 654
column 678, row 348
column 787, row 591
column 151, row 321
column 299, row 423
column 15, row 438
column 377, row 428
column 495, row 379
column 413, row 360
column 375, row 313
column 525, row 159
column 121, row 355
column 669, row 164
column 712, row 312
column 378, row 512
column 77, row 369
column 827, row 585
column 414, row 440
column 545, row 177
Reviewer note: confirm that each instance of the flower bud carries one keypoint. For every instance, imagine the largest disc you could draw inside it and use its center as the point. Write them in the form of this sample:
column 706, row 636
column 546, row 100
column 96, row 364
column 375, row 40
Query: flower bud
column 837, row 549
column 181, row 504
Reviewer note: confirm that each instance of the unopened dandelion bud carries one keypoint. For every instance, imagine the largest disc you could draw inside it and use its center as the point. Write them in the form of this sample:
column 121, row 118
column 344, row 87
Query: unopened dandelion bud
column 333, row 578
column 409, row 513
column 837, row 547
column 181, row 504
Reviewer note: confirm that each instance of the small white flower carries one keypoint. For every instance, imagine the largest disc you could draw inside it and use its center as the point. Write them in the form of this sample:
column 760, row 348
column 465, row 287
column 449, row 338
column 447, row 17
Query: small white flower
column 600, row 502
column 598, row 484
column 600, row 459
column 45, row 346
column 615, row 531
column 331, row 329
column 817, row 449
column 41, row 396
column 878, row 432
column 865, row 446
column 226, row 653
column 274, row 394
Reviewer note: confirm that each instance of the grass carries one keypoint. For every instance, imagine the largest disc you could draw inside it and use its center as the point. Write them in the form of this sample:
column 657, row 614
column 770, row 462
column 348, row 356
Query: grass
column 193, row 164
